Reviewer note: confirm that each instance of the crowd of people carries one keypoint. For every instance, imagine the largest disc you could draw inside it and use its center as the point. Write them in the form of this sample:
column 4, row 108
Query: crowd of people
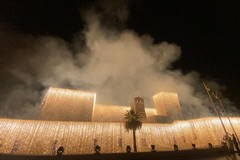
column 230, row 141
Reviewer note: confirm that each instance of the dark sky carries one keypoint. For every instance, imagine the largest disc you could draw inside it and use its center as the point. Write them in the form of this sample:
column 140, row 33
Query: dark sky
column 207, row 31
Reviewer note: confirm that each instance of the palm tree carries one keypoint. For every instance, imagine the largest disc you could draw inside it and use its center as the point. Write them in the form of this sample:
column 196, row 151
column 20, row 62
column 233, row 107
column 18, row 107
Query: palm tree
column 133, row 122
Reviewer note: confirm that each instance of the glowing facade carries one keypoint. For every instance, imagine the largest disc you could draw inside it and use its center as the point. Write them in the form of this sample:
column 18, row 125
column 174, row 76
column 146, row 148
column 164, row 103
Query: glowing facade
column 30, row 137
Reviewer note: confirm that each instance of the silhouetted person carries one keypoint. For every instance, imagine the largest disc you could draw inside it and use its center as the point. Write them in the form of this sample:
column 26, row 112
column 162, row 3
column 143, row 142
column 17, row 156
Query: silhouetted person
column 153, row 148
column 54, row 147
column 224, row 141
column 175, row 147
column 128, row 149
column 235, row 142
column 60, row 150
column 230, row 145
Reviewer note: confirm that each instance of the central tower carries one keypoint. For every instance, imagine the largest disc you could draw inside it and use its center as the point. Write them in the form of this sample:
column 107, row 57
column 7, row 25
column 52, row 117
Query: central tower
column 138, row 106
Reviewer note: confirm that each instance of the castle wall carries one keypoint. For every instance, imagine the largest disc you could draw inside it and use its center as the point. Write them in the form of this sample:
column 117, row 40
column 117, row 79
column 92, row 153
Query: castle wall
column 68, row 105
column 150, row 112
column 109, row 113
column 38, row 137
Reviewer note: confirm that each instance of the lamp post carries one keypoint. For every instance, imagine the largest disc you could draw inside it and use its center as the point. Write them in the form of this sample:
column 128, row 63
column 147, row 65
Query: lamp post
column 223, row 108
column 215, row 108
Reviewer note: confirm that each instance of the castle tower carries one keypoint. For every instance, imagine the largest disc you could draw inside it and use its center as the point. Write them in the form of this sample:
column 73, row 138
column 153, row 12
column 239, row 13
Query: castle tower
column 138, row 106
column 67, row 105
column 167, row 104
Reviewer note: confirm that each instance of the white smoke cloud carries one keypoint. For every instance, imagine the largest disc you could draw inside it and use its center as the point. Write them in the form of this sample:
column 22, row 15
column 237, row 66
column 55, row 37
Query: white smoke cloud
column 118, row 65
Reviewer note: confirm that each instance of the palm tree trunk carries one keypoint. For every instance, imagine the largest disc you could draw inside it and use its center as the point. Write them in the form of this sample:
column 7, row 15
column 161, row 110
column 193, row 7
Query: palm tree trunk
column 134, row 141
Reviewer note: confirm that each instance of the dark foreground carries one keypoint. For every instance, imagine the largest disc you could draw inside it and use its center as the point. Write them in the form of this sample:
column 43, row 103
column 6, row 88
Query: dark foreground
column 163, row 155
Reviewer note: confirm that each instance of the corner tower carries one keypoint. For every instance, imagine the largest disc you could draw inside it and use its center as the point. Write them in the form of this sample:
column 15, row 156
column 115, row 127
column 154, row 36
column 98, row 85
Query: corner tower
column 67, row 105
column 167, row 104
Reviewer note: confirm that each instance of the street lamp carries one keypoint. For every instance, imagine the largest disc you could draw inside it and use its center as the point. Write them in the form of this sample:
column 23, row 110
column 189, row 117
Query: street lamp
column 216, row 95
column 215, row 108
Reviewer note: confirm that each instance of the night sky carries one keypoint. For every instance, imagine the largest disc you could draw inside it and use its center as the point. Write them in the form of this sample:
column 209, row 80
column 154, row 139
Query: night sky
column 208, row 32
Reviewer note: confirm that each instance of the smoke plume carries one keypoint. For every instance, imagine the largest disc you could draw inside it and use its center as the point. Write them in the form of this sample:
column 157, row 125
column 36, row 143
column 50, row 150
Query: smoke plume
column 117, row 64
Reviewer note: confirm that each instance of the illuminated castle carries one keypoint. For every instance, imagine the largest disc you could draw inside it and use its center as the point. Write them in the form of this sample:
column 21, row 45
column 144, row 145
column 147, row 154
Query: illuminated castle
column 72, row 119
column 74, row 105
